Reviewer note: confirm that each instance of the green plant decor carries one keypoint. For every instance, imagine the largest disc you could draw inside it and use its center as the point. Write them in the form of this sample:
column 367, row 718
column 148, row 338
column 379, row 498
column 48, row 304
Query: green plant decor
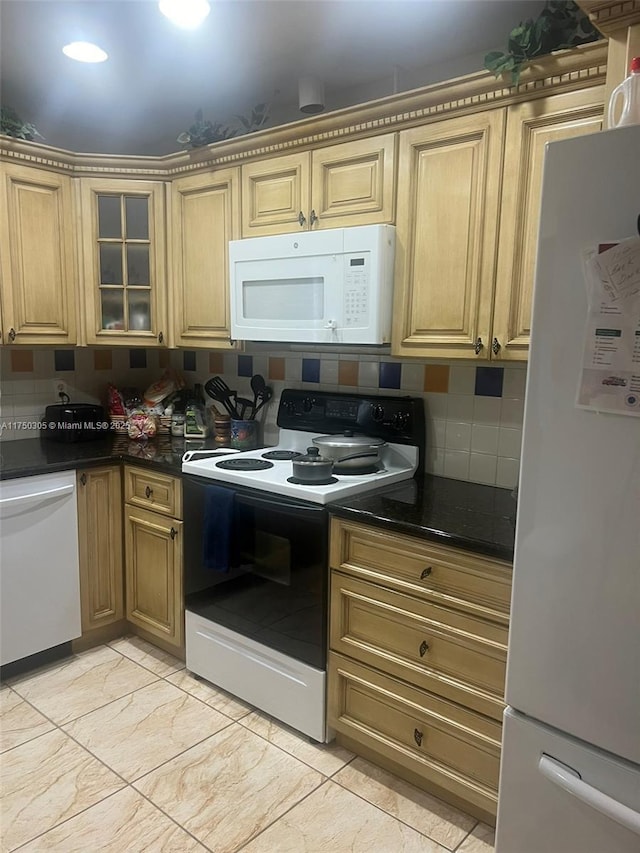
column 561, row 24
column 12, row 125
column 205, row 132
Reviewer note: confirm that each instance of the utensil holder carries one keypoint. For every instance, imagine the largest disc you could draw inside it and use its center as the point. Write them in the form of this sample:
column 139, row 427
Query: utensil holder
column 244, row 434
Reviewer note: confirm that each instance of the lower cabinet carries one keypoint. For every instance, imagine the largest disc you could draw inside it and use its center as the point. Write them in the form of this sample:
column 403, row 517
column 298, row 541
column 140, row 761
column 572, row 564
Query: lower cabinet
column 418, row 644
column 99, row 493
column 153, row 551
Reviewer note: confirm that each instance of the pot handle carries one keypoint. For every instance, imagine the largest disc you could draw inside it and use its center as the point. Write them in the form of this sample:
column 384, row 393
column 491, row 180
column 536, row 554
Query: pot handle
column 361, row 455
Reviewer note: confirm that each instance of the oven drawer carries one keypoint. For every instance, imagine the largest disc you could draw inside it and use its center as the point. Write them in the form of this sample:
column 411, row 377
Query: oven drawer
column 436, row 572
column 444, row 651
column 152, row 490
column 437, row 741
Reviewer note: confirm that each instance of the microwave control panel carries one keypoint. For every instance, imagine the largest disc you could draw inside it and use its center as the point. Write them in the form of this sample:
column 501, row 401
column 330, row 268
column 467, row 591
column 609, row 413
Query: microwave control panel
column 356, row 290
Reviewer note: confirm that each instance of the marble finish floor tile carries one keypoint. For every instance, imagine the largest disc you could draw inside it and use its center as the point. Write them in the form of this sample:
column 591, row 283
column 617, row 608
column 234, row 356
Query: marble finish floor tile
column 148, row 656
column 434, row 818
column 19, row 722
column 209, row 693
column 481, row 840
column 141, row 731
column 228, row 788
column 46, row 781
column 81, row 683
column 326, row 758
column 333, row 820
column 122, row 822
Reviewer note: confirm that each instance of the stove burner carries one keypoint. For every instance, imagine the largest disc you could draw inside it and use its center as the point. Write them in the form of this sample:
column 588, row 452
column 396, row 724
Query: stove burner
column 281, row 454
column 298, row 482
column 245, row 464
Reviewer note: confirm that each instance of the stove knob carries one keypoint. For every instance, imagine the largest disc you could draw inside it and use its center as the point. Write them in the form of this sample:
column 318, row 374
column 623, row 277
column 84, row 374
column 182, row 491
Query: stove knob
column 400, row 420
column 377, row 413
column 307, row 403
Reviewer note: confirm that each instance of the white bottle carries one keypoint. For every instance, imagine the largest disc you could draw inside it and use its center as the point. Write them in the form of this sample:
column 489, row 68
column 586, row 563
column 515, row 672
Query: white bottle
column 630, row 91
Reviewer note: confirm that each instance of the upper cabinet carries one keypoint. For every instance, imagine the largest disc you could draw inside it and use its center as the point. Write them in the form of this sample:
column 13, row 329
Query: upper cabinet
column 37, row 256
column 347, row 184
column 123, row 248
column 205, row 215
column 448, row 208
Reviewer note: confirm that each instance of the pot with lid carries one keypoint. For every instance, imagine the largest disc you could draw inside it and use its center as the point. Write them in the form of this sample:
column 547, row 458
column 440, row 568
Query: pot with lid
column 312, row 469
column 350, row 452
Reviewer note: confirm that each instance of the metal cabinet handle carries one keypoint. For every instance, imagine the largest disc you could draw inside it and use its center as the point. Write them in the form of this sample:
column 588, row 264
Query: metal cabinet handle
column 425, row 573
column 302, row 219
column 424, row 648
column 83, row 479
column 148, row 492
column 173, row 533
column 495, row 346
column 160, row 338
column 478, row 346
column 313, row 218
column 12, row 335
column 417, row 736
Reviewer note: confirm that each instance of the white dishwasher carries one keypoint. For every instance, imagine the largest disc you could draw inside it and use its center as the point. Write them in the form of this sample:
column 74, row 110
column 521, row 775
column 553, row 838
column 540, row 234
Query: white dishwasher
column 39, row 569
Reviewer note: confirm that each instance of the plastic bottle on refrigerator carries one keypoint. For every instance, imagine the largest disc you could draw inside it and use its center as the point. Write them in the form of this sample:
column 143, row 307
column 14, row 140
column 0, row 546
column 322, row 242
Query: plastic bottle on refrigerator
column 630, row 91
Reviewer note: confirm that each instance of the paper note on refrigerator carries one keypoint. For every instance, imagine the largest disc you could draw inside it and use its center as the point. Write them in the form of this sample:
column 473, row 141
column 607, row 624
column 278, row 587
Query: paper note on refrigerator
column 610, row 375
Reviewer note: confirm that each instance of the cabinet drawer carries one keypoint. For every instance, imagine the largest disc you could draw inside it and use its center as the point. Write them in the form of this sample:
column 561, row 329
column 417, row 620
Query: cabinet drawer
column 151, row 490
column 438, row 573
column 440, row 741
column 446, row 652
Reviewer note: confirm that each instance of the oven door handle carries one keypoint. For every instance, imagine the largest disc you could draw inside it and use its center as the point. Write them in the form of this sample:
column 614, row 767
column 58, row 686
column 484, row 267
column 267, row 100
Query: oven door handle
column 277, row 502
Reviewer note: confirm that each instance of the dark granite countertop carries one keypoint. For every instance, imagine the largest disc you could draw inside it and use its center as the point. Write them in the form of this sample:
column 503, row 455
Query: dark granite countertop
column 465, row 515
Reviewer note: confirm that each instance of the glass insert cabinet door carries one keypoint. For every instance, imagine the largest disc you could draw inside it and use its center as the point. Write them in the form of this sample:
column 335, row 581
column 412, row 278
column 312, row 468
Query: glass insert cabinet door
column 123, row 228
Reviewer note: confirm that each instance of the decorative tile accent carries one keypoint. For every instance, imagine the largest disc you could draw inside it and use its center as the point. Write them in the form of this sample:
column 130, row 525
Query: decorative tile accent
column 64, row 359
column 276, row 369
column 348, row 373
column 412, row 377
column 369, row 375
column 22, row 361
column 390, row 374
column 489, row 381
column 216, row 363
column 462, row 378
column 245, row 365
column 436, row 378
column 137, row 358
column 102, row 359
column 311, row 370
column 189, row 360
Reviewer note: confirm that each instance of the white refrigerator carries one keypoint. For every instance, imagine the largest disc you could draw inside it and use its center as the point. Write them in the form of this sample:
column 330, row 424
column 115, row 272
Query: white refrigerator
column 570, row 772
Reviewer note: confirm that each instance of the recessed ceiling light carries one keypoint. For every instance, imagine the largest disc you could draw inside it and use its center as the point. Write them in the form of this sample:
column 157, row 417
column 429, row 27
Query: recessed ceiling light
column 187, row 14
column 84, row 51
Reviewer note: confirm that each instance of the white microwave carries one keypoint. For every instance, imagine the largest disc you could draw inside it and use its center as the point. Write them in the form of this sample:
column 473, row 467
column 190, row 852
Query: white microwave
column 327, row 287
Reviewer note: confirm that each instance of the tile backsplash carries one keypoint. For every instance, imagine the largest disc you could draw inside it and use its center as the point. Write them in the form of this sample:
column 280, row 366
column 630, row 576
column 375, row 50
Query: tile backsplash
column 473, row 413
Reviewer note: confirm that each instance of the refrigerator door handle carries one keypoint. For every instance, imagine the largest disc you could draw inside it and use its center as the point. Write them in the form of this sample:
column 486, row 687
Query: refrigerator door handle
column 567, row 779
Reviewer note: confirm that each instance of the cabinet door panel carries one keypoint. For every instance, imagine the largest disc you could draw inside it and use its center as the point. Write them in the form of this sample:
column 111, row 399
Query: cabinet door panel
column 448, row 192
column 274, row 193
column 39, row 272
column 205, row 216
column 530, row 125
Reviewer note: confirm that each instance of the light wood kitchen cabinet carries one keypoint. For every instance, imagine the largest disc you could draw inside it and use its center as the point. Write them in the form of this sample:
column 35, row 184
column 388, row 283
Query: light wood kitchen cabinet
column 205, row 215
column 153, row 553
column 352, row 183
column 449, row 179
column 100, row 550
column 37, row 256
column 530, row 125
column 123, row 248
column 418, row 643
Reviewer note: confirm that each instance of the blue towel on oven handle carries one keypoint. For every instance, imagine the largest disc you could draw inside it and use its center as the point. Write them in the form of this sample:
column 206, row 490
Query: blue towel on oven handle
column 217, row 528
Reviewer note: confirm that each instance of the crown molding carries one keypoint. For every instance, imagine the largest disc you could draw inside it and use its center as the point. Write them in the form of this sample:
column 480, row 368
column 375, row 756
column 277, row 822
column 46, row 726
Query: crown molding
column 609, row 16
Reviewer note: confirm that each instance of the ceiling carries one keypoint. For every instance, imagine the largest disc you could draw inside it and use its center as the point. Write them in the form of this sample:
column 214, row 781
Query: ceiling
column 247, row 51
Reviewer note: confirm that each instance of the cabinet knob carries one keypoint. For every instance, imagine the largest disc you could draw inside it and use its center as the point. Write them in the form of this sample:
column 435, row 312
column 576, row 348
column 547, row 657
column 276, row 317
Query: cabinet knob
column 425, row 573
column 302, row 219
column 424, row 648
column 495, row 346
column 478, row 346
column 417, row 736
column 313, row 218
column 12, row 335
column 83, row 479
column 148, row 492
column 160, row 338
column 173, row 533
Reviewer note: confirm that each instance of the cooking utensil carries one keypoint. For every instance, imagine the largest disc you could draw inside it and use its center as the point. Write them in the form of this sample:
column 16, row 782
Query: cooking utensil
column 257, row 386
column 264, row 398
column 349, row 451
column 312, row 469
column 218, row 390
column 242, row 404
